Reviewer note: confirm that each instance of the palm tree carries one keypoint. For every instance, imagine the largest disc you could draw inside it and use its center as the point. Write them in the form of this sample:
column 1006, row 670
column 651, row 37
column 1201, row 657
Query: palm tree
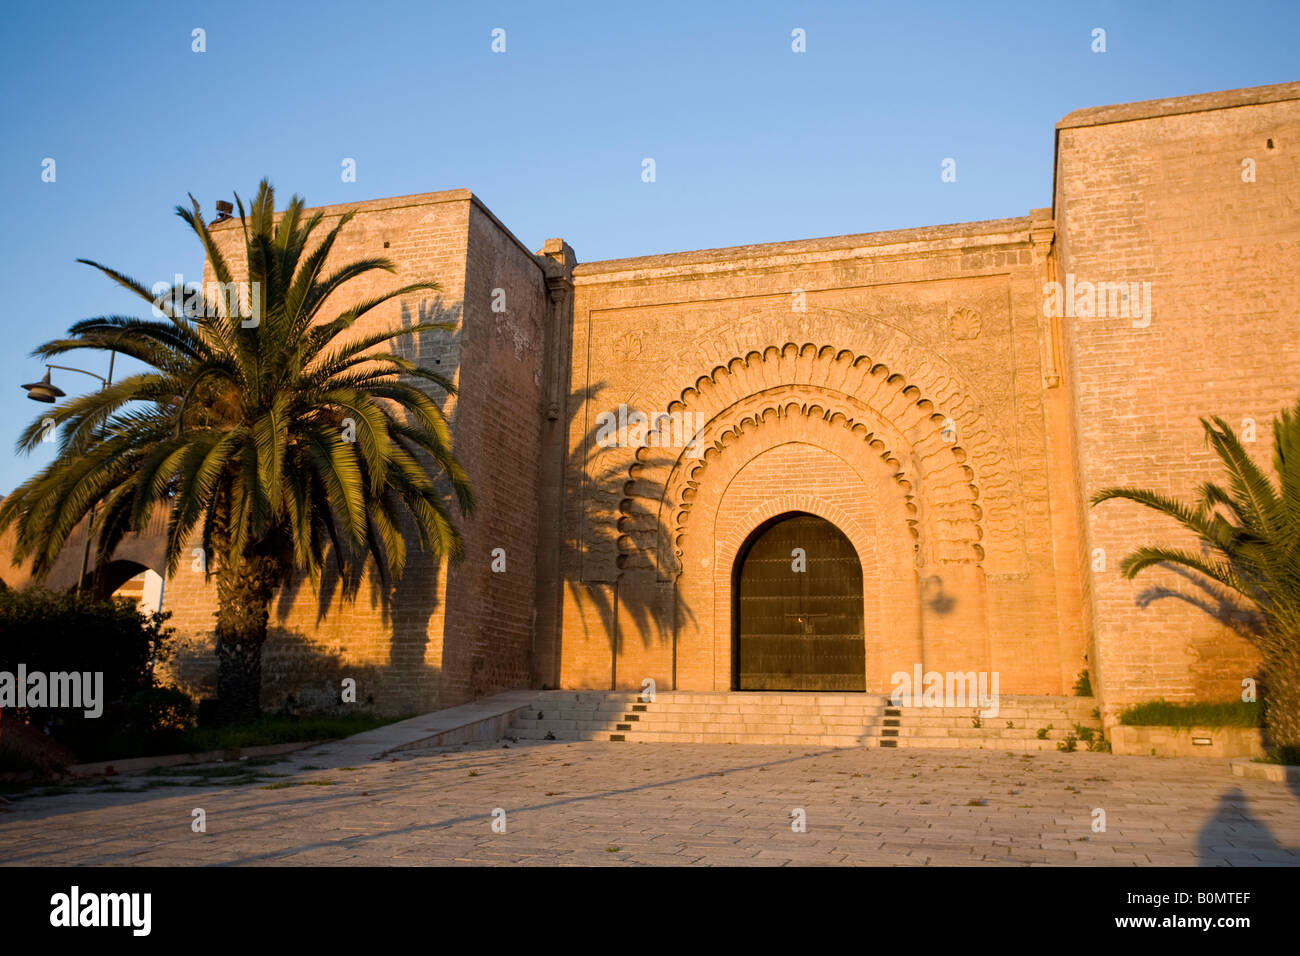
column 1250, row 534
column 282, row 442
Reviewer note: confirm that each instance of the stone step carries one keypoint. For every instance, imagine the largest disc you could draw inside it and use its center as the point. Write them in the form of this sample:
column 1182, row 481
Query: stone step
column 960, row 723
column 1004, row 713
column 861, row 706
column 820, row 740
column 1063, row 705
column 974, row 743
column 786, row 739
column 774, row 713
column 752, row 727
column 767, row 716
column 654, row 714
column 704, row 713
column 831, row 720
column 959, row 733
column 711, row 699
column 674, row 726
column 706, row 737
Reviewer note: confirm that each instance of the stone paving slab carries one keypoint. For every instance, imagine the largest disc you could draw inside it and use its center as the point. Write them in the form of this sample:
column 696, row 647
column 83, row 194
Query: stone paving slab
column 597, row 804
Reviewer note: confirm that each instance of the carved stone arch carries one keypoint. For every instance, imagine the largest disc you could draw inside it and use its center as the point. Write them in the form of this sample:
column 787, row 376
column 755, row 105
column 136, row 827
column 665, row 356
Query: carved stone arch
column 953, row 516
column 892, row 417
column 890, row 349
column 875, row 438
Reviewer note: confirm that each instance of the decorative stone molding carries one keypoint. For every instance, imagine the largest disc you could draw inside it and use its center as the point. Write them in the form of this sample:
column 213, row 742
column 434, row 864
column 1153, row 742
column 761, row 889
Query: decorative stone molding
column 557, row 260
column 890, row 419
column 1042, row 235
column 627, row 347
column 965, row 324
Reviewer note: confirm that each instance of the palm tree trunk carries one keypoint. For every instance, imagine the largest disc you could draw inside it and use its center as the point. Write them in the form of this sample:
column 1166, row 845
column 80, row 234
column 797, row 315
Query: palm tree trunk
column 244, row 591
column 1281, row 694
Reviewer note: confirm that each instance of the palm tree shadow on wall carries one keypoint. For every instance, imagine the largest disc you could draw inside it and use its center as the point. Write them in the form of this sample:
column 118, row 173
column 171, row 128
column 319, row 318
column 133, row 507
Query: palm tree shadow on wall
column 407, row 602
column 1220, row 605
column 653, row 613
column 1215, row 601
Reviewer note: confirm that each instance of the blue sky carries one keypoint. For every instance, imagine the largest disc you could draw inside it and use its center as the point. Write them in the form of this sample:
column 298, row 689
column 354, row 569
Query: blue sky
column 752, row 142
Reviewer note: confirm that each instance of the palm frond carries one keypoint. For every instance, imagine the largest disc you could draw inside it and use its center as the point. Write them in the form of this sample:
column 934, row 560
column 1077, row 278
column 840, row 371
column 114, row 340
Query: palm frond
column 1248, row 527
column 236, row 430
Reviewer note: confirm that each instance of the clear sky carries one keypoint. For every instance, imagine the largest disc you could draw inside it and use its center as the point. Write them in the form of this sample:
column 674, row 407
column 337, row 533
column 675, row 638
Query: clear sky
column 752, row 142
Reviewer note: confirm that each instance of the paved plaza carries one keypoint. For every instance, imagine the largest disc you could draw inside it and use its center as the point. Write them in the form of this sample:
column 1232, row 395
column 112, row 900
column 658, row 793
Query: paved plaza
column 594, row 803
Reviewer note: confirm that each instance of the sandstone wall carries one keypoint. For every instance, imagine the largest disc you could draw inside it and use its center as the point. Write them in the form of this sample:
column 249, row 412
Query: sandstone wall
column 894, row 383
column 489, row 613
column 399, row 644
column 907, row 386
column 1154, row 193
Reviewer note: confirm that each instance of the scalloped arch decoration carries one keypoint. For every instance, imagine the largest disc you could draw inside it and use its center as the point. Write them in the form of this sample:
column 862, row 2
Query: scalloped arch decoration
column 891, row 417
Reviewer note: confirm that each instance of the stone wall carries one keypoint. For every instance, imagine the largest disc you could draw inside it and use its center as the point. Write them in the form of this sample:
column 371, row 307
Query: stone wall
column 893, row 383
column 423, row 642
column 489, row 613
column 1154, row 193
column 908, row 386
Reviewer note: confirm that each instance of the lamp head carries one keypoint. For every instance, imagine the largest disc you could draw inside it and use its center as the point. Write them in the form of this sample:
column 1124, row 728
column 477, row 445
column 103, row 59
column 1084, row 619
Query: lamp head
column 44, row 390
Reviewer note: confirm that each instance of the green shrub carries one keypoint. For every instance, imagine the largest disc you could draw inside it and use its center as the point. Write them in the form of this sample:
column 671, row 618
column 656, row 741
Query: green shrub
column 1161, row 713
column 1083, row 686
column 1099, row 744
column 53, row 632
column 1284, row 755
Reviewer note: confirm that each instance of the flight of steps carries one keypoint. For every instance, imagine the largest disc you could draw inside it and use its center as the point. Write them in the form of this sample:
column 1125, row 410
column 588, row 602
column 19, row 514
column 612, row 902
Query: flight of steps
column 1022, row 723
column 819, row 719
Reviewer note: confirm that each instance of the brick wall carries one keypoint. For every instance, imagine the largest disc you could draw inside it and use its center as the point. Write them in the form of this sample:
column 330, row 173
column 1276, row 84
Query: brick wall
column 490, row 613
column 863, row 347
column 1154, row 193
column 422, row 643
column 906, row 386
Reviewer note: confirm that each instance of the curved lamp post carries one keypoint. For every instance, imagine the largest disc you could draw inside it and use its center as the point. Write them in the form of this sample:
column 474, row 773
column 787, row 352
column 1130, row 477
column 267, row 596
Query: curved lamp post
column 46, row 391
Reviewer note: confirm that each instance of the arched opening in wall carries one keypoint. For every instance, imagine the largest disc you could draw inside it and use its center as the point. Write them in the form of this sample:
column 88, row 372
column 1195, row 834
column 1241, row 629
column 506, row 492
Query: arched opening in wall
column 797, row 608
column 127, row 579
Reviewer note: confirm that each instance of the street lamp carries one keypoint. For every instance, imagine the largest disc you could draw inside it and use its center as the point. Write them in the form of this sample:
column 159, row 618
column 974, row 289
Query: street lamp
column 46, row 391
column 43, row 391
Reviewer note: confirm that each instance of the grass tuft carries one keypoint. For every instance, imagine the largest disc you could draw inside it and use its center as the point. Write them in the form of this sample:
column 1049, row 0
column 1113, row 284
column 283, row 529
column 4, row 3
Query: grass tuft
column 1161, row 713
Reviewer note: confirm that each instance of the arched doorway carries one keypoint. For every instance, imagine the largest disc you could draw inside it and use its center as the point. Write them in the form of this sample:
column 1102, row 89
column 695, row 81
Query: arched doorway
column 122, row 578
column 797, row 608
